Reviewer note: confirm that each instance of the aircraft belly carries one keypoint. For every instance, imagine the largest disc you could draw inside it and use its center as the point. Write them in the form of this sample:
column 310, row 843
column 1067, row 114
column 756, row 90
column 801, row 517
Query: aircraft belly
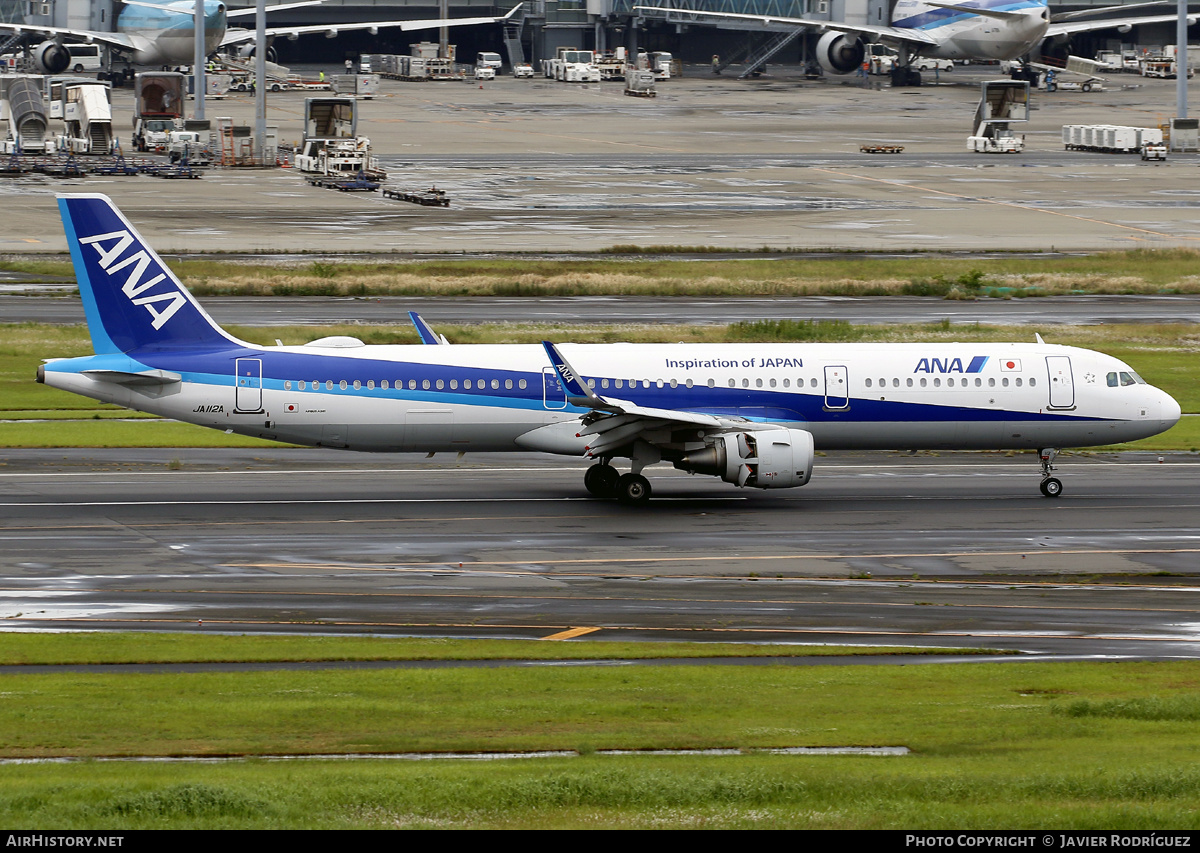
column 975, row 435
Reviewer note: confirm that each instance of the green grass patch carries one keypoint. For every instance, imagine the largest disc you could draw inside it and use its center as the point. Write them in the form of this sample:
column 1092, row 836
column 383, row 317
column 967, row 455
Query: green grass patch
column 1175, row 708
column 141, row 432
column 648, row 272
column 1185, row 435
column 992, row 746
column 925, row 274
column 90, row 648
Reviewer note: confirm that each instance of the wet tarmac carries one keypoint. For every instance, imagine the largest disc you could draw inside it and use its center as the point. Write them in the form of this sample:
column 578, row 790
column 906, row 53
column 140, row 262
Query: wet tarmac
column 943, row 552
column 542, row 166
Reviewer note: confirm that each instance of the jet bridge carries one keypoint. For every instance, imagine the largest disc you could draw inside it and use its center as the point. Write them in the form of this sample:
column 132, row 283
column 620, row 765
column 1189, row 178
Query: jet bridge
column 1004, row 103
column 22, row 106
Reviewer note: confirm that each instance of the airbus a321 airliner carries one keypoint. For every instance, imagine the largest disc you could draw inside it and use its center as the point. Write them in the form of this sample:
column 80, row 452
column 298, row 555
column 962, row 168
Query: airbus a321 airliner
column 751, row 414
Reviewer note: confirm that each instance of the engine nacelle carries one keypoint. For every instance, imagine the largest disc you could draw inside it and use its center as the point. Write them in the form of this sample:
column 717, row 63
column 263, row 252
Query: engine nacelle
column 840, row 53
column 50, row 57
column 764, row 459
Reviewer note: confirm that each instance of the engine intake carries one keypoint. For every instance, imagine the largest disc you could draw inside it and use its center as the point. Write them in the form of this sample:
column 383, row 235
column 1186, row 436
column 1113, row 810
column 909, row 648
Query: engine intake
column 50, row 57
column 840, row 53
column 764, row 459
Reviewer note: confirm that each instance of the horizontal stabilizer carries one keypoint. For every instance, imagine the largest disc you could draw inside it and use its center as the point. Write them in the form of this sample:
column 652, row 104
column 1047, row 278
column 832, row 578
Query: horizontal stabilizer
column 125, row 377
column 986, row 13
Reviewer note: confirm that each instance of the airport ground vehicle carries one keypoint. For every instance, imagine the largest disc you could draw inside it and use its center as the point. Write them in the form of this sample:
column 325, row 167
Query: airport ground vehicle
column 930, row 63
column 157, row 108
column 1154, row 151
column 753, row 415
column 571, row 65
column 489, row 60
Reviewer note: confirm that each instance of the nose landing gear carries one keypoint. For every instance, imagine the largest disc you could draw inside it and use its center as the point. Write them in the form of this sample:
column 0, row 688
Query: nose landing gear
column 1051, row 487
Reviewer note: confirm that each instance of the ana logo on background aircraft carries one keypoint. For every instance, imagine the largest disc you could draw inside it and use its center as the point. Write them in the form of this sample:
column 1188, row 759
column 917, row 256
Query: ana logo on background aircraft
column 752, row 415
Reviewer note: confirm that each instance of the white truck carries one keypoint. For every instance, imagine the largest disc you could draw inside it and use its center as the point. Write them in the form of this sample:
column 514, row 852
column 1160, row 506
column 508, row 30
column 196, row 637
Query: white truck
column 157, row 108
column 1154, row 151
column 660, row 65
column 488, row 59
column 1003, row 142
column 189, row 146
column 571, row 65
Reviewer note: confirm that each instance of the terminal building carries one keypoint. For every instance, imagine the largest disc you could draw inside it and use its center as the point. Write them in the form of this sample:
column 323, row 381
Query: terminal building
column 542, row 26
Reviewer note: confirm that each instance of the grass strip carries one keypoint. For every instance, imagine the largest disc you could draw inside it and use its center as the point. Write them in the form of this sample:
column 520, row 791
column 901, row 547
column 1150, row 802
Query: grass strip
column 93, row 648
column 647, row 273
column 992, row 746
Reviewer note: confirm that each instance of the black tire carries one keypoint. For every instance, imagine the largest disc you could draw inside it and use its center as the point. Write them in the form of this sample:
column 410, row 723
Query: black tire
column 78, row 67
column 633, row 489
column 601, row 481
column 1052, row 487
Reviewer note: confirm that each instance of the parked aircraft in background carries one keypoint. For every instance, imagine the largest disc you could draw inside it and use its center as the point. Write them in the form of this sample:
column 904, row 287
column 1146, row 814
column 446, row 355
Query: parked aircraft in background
column 163, row 34
column 751, row 414
column 972, row 29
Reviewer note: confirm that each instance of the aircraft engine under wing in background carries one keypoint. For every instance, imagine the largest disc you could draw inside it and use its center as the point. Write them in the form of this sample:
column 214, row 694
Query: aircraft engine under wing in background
column 154, row 34
column 972, row 29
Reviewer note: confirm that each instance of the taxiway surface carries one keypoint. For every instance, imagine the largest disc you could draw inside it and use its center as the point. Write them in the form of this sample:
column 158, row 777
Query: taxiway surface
column 388, row 310
column 956, row 550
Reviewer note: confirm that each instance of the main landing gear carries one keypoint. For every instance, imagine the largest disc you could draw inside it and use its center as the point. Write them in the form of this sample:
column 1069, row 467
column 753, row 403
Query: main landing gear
column 604, row 481
column 1051, row 486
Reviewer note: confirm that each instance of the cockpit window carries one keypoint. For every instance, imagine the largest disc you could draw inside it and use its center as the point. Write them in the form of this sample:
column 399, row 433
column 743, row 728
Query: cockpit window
column 1112, row 379
column 1125, row 377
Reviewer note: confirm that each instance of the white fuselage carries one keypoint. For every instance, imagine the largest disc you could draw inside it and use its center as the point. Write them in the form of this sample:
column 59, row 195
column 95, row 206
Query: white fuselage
column 491, row 398
column 970, row 36
column 168, row 33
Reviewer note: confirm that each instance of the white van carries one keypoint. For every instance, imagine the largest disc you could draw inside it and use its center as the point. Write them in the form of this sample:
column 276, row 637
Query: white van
column 84, row 57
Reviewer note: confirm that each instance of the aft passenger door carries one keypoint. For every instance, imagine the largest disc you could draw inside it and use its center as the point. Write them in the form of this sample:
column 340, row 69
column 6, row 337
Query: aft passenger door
column 554, row 396
column 1062, row 385
column 248, row 396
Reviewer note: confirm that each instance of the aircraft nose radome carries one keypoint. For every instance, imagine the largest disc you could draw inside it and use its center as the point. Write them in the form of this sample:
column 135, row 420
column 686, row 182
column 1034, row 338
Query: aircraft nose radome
column 1171, row 410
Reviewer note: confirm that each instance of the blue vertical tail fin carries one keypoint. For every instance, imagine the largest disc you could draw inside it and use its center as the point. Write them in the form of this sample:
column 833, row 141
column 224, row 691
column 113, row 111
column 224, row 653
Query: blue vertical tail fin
column 131, row 298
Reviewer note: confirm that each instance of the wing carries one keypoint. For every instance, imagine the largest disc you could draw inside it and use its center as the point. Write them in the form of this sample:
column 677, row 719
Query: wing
column 896, row 34
column 983, row 13
column 120, row 41
column 250, row 13
column 242, row 36
column 1067, row 28
column 616, row 423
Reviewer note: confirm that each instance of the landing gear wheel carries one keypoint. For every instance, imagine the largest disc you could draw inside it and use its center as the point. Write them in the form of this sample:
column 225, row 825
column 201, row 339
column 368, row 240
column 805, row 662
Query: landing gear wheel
column 1052, row 487
column 633, row 489
column 601, row 481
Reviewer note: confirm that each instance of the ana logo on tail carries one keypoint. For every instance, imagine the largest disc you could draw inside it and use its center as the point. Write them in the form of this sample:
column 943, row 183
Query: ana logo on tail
column 111, row 262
